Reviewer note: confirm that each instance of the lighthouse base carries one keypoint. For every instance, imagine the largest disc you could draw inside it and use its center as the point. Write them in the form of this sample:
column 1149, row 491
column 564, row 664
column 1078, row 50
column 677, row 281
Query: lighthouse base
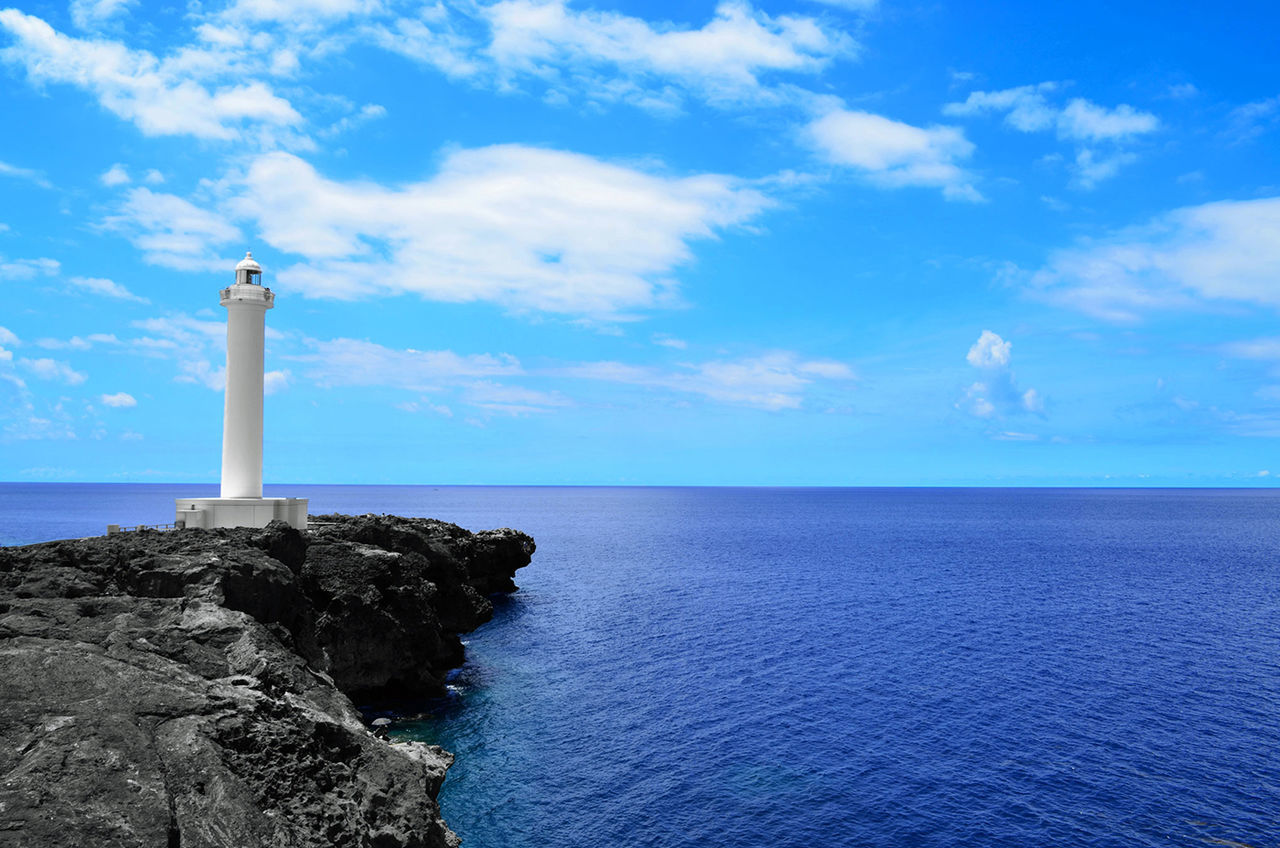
column 209, row 513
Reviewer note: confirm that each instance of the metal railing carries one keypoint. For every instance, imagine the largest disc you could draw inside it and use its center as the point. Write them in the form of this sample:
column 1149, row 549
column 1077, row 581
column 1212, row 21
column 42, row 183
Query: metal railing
column 113, row 529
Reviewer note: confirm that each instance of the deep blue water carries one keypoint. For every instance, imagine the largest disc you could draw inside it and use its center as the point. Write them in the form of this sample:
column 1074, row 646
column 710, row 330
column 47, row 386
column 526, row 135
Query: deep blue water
column 857, row 667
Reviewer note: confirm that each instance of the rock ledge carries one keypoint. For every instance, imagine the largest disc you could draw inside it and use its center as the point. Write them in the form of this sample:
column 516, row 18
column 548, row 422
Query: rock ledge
column 192, row 688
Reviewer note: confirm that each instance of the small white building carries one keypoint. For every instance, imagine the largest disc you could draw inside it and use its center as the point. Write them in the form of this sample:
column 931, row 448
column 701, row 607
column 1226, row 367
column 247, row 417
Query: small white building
column 241, row 503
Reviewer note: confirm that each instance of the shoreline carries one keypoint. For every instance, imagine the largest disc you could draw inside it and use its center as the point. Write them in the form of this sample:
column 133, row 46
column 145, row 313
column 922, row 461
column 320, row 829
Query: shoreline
column 196, row 687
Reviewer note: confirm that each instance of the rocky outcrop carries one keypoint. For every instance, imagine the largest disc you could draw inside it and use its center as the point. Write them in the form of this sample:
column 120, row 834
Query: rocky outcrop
column 192, row 688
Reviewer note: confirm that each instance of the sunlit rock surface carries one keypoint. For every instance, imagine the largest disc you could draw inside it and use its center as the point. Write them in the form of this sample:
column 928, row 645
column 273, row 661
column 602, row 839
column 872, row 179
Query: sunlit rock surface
column 192, row 688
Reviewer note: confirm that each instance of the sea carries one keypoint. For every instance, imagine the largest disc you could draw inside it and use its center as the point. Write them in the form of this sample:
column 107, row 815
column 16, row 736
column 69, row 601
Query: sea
column 842, row 667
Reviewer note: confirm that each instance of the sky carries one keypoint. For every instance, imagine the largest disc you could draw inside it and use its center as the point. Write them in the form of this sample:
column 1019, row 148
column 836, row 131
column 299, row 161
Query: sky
column 823, row 242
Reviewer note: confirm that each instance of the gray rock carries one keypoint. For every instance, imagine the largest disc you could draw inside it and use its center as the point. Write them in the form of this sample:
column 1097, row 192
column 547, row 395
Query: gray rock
column 192, row 688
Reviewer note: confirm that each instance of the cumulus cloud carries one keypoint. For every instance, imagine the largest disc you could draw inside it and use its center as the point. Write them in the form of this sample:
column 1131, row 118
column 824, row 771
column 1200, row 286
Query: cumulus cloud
column 116, row 175
column 1227, row 251
column 525, row 227
column 892, row 153
column 161, row 97
column 119, row 400
column 1028, row 108
column 997, row 394
column 989, row 351
column 1085, row 121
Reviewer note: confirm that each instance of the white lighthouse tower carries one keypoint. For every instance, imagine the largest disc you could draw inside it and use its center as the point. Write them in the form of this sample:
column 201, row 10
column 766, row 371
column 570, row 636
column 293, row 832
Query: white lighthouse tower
column 241, row 503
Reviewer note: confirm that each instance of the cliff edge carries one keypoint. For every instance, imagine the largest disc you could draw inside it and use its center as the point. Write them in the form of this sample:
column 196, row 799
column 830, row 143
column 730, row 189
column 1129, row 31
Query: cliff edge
column 192, row 688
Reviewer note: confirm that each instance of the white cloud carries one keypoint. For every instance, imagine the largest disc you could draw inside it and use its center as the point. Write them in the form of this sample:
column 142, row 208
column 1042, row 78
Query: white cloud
column 194, row 344
column 114, row 176
column 989, row 351
column 664, row 340
column 106, row 288
column 1027, row 108
column 8, row 170
column 173, row 232
column 25, row 269
column 525, row 227
column 91, row 14
column 7, row 337
column 119, row 400
column 304, row 13
column 997, row 394
column 52, row 369
column 1013, row 436
column 892, row 153
column 368, row 112
column 774, row 381
column 1253, row 349
column 855, row 5
column 353, row 362
column 274, row 382
column 1092, row 169
column 1085, row 121
column 1223, row 251
column 153, row 177
column 724, row 60
column 161, row 97
column 1253, row 119
column 512, row 400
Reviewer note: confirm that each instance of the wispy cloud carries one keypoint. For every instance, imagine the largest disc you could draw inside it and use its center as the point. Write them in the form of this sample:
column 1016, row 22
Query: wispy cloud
column 8, row 170
column 774, row 381
column 92, row 14
column 106, row 288
column 1228, row 251
column 173, row 232
column 356, row 362
column 25, row 269
column 1029, row 108
column 721, row 61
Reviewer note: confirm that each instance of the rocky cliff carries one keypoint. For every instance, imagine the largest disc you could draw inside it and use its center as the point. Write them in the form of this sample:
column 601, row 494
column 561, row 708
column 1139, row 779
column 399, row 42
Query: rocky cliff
column 192, row 688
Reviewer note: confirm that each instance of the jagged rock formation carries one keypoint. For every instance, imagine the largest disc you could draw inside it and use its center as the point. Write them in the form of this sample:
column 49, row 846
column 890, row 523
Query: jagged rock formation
column 191, row 689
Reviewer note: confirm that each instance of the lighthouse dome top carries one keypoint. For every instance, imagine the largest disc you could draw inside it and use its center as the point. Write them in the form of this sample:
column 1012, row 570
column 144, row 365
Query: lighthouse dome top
column 249, row 272
column 248, row 264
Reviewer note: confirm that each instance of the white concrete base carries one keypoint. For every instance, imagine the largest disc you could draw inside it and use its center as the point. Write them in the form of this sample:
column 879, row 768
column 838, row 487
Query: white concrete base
column 208, row 513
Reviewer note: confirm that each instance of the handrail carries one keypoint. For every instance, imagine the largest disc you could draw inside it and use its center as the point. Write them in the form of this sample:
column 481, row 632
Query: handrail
column 113, row 529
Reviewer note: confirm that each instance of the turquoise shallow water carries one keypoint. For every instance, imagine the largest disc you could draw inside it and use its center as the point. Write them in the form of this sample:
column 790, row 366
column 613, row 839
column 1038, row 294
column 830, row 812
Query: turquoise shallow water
column 737, row 667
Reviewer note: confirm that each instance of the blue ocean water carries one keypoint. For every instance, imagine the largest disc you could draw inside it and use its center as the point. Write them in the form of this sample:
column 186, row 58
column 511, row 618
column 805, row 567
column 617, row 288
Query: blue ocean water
column 846, row 667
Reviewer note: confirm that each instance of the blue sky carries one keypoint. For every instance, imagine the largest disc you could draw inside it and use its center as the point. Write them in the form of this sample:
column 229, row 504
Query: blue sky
column 845, row 242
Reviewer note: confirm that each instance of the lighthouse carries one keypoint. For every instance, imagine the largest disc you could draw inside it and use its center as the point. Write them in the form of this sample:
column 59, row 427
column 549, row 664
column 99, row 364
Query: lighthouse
column 241, row 503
